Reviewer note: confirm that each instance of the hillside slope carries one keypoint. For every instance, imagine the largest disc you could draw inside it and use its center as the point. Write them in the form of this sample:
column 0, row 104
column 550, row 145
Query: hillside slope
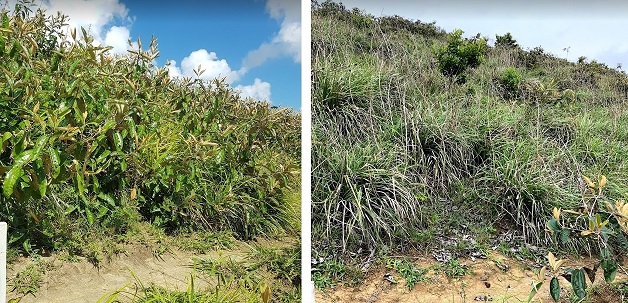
column 411, row 148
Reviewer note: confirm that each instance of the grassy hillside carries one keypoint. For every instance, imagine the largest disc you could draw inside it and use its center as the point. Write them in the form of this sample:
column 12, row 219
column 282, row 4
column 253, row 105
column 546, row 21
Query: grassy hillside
column 95, row 146
column 413, row 144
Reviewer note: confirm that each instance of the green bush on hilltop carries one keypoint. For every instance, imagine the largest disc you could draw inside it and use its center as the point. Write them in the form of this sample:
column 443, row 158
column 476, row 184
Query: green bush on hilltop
column 511, row 78
column 460, row 54
column 505, row 41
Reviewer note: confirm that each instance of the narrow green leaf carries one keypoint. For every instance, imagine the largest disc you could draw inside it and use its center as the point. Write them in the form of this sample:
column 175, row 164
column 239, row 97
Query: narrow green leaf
column 79, row 109
column 55, row 161
column 18, row 147
column 15, row 236
column 85, row 36
column 103, row 157
column 17, row 169
column 90, row 216
column 555, row 289
column 107, row 198
column 579, row 283
column 5, row 20
column 5, row 141
column 102, row 211
column 610, row 269
column 132, row 130
column 73, row 67
column 39, row 145
column 564, row 235
column 553, row 225
column 117, row 139
column 10, row 179
column 2, row 45
column 591, row 224
column 108, row 125
column 605, row 253
column 24, row 158
column 42, row 182
column 606, row 232
column 535, row 289
column 55, row 62
column 70, row 209
column 80, row 183
column 14, row 48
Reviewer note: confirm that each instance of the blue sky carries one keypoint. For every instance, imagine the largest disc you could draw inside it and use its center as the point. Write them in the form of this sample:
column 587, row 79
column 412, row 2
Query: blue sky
column 255, row 44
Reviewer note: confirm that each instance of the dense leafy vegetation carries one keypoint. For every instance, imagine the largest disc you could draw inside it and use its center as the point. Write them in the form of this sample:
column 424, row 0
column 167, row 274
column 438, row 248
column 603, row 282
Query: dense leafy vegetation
column 92, row 142
column 402, row 156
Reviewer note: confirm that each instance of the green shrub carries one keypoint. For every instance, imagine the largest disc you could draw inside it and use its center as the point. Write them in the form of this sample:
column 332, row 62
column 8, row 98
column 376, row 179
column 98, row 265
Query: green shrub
column 397, row 24
column 459, row 55
column 598, row 219
column 533, row 58
column 510, row 80
column 89, row 140
column 505, row 41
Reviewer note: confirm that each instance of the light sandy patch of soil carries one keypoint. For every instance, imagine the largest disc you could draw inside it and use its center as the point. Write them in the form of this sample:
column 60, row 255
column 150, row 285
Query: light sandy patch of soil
column 83, row 282
column 487, row 281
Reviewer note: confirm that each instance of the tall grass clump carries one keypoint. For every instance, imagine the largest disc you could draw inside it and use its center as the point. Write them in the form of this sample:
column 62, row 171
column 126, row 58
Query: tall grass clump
column 399, row 149
column 93, row 141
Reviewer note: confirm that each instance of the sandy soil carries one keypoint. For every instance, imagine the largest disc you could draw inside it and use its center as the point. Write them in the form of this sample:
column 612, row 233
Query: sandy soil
column 82, row 282
column 487, row 282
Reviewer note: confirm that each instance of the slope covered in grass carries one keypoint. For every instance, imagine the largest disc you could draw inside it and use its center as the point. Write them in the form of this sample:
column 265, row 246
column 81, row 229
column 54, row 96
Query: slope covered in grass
column 408, row 150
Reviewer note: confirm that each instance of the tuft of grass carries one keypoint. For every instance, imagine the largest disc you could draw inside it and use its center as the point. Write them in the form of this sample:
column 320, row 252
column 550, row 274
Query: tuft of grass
column 154, row 293
column 454, row 269
column 279, row 268
column 203, row 242
column 411, row 273
column 29, row 280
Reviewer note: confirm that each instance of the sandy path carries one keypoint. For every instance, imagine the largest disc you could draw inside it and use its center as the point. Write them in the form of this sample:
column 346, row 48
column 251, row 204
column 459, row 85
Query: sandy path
column 82, row 282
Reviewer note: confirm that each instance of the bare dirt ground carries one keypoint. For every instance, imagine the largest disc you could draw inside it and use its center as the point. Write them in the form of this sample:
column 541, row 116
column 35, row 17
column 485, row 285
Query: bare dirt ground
column 83, row 282
column 486, row 283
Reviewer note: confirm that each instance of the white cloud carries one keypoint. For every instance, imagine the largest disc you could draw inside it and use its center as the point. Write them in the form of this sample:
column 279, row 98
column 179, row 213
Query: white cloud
column 287, row 42
column 118, row 37
column 259, row 90
column 214, row 67
column 590, row 28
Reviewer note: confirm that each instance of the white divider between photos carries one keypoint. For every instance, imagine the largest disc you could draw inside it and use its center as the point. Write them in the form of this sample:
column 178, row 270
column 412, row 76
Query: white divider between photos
column 3, row 262
column 311, row 286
